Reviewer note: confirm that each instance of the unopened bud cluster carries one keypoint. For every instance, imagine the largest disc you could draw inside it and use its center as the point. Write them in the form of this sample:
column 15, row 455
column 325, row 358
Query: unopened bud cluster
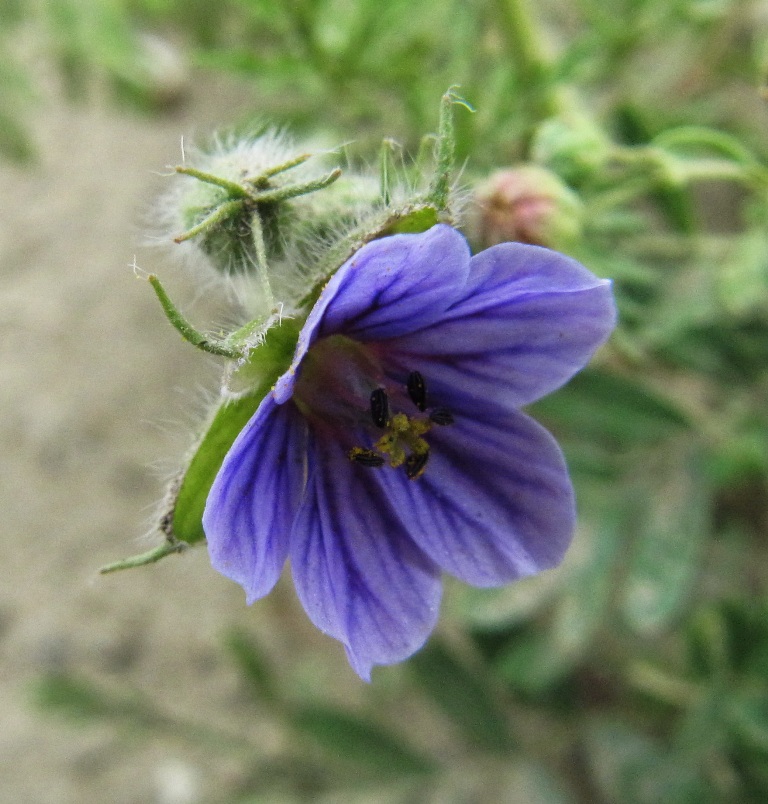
column 280, row 218
column 277, row 220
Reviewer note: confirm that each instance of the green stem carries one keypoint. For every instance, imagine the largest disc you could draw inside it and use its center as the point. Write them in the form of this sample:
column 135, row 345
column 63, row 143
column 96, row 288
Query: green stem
column 526, row 52
column 150, row 557
column 185, row 329
column 720, row 170
column 618, row 196
column 662, row 686
column 386, row 169
column 440, row 187
column 262, row 271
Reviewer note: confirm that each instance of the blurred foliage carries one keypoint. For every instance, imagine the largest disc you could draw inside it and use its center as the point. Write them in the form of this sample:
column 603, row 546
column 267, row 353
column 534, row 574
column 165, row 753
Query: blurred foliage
column 637, row 672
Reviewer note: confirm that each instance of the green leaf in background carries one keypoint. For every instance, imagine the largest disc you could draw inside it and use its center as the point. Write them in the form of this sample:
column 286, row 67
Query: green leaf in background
column 612, row 410
column 539, row 658
column 666, row 556
column 73, row 698
column 503, row 607
column 742, row 281
column 693, row 140
column 464, row 695
column 77, row 698
column 631, row 768
column 16, row 93
column 354, row 740
column 582, row 609
column 14, row 139
column 253, row 665
column 700, row 732
column 748, row 719
column 677, row 205
column 730, row 639
column 515, row 781
column 531, row 664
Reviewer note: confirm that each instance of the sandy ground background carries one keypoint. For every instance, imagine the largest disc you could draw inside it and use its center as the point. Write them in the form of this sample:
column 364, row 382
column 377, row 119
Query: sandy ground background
column 95, row 390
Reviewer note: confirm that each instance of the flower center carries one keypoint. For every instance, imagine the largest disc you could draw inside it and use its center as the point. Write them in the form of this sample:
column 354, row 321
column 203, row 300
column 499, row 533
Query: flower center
column 345, row 393
column 402, row 444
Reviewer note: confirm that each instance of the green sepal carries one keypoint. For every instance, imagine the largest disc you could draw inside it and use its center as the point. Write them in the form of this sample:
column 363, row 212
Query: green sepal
column 185, row 521
column 414, row 221
column 182, row 517
column 265, row 364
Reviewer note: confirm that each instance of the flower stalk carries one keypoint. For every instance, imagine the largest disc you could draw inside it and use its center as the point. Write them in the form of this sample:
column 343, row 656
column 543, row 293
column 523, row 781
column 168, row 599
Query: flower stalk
column 206, row 343
column 526, row 52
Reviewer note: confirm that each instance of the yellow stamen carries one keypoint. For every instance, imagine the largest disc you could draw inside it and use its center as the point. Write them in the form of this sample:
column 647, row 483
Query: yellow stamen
column 404, row 436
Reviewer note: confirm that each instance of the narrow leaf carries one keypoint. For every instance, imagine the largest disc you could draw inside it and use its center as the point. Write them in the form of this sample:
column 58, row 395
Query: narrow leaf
column 667, row 553
column 463, row 695
column 355, row 740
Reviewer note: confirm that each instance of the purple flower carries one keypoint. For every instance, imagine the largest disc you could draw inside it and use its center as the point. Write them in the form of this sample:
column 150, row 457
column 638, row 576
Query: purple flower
column 394, row 448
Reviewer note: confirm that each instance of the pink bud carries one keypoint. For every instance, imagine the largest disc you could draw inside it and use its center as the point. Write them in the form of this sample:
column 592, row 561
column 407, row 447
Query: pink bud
column 528, row 204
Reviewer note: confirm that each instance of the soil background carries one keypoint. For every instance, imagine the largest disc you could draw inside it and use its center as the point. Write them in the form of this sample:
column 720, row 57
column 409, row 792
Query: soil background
column 98, row 395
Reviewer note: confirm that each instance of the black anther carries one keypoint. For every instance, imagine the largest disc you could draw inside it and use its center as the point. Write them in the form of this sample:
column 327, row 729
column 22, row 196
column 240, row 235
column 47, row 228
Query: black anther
column 415, row 465
column 417, row 390
column 379, row 407
column 441, row 416
column 365, row 457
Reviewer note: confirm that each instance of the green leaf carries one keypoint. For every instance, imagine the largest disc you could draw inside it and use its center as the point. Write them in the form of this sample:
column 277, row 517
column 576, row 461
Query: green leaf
column 80, row 700
column 693, row 140
column 742, row 280
column 582, row 608
column 701, row 731
column 351, row 739
column 677, row 204
column 503, row 607
column 253, row 665
column 610, row 409
column 748, row 716
column 15, row 141
column 667, row 554
column 532, row 665
column 464, row 695
column 73, row 698
column 631, row 768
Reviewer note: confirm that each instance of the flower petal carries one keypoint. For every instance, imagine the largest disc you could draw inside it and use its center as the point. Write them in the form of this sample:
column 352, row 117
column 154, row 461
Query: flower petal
column 254, row 498
column 390, row 287
column 357, row 573
column 528, row 320
column 495, row 503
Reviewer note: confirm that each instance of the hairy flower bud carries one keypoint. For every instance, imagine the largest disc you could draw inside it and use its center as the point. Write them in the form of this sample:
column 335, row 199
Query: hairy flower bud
column 239, row 185
column 527, row 204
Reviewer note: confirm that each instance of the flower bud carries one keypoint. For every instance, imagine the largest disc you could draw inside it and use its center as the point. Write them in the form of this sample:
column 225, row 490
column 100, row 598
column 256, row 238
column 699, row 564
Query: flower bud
column 528, row 204
column 241, row 183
